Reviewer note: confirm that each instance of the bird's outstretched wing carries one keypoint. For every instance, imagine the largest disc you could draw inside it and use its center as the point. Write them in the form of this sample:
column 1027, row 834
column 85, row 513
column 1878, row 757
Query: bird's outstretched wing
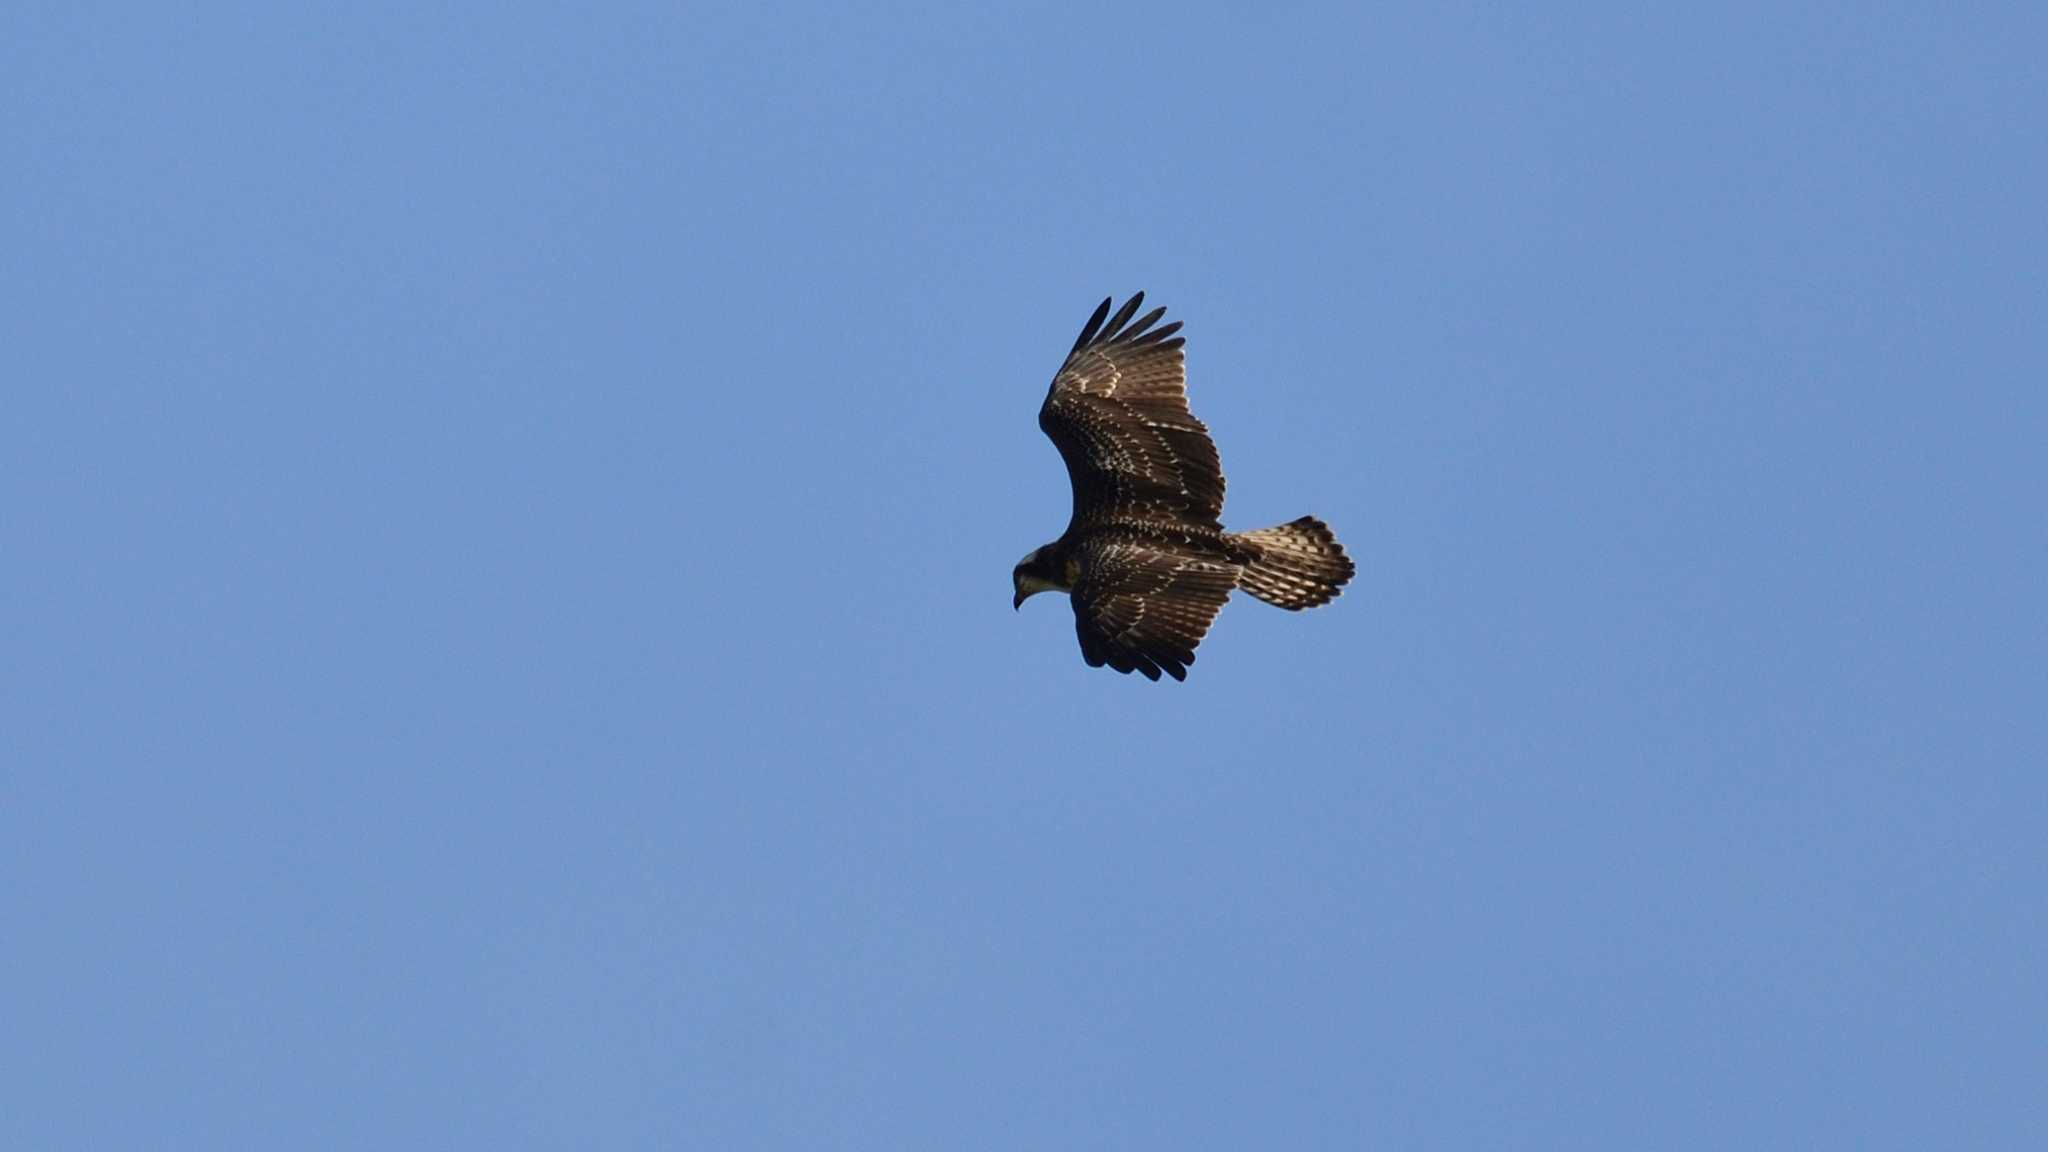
column 1118, row 412
column 1139, row 609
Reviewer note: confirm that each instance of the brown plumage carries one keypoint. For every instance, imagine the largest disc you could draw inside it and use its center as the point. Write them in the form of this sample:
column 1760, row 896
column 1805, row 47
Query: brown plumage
column 1145, row 557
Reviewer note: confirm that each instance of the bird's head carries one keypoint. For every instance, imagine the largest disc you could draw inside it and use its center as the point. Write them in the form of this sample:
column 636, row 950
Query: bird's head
column 1040, row 571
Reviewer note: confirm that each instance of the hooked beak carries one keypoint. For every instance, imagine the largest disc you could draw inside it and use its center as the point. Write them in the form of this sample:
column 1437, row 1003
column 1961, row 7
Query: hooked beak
column 1017, row 603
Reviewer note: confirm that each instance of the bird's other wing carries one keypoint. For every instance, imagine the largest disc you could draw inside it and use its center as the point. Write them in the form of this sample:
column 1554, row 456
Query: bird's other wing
column 1118, row 412
column 1141, row 609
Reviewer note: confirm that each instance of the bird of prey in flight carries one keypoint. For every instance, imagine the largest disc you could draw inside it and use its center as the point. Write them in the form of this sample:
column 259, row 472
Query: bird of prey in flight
column 1145, row 558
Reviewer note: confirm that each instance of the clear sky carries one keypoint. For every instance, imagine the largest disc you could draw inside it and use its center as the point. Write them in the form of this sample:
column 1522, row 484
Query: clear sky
column 505, row 630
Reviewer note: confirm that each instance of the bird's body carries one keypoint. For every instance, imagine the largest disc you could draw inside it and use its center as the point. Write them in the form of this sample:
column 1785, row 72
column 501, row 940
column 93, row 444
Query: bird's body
column 1145, row 557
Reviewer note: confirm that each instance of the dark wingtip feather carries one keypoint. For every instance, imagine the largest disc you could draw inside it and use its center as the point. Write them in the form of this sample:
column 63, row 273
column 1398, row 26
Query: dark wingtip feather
column 1094, row 323
column 1162, row 334
column 1136, row 332
column 1115, row 327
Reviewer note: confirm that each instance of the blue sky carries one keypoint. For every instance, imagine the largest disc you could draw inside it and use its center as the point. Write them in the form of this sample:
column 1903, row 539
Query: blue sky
column 508, row 518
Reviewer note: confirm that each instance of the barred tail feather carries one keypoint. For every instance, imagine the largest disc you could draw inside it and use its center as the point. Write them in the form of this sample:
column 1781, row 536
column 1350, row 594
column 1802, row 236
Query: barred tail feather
column 1294, row 565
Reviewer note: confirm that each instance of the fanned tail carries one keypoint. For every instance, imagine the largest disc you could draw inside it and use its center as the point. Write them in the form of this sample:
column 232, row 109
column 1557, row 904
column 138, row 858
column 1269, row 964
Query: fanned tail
column 1294, row 565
